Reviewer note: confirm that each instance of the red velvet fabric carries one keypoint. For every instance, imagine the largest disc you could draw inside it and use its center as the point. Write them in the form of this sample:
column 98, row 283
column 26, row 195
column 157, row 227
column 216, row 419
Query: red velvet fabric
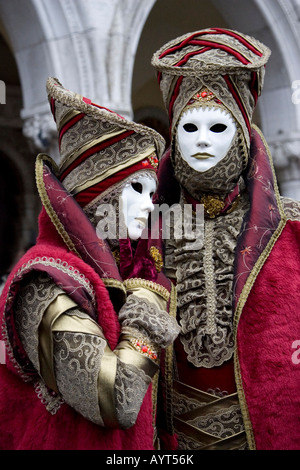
column 136, row 262
column 25, row 423
column 267, row 329
column 218, row 378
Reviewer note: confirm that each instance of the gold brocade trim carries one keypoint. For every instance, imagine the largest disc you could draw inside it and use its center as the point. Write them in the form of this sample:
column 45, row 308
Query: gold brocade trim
column 169, row 367
column 110, row 282
column 46, row 201
column 243, row 298
column 116, row 255
column 70, row 115
column 207, row 421
column 209, row 442
column 154, row 393
column 208, row 67
column 74, row 155
column 51, row 402
column 210, row 283
column 7, row 343
column 150, row 285
column 112, row 170
column 157, row 258
column 172, row 85
column 62, row 266
column 199, row 48
column 75, row 101
column 213, row 205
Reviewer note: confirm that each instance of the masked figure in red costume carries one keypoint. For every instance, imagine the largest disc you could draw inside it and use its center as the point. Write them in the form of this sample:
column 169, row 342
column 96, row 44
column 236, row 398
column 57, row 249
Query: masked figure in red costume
column 236, row 383
column 86, row 318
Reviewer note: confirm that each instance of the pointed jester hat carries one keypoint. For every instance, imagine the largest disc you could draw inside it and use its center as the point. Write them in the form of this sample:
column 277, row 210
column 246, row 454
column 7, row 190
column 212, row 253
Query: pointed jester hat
column 212, row 65
column 98, row 148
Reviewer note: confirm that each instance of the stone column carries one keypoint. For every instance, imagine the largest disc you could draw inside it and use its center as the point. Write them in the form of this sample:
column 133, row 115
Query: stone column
column 40, row 130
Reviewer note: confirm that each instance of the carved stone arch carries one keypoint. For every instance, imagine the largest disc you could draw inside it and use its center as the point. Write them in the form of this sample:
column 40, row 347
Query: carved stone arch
column 89, row 46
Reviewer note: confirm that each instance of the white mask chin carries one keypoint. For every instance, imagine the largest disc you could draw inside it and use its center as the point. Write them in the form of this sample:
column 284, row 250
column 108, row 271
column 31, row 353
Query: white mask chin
column 136, row 204
column 204, row 136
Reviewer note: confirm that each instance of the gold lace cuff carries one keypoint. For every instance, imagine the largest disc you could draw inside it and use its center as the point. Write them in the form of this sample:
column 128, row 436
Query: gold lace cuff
column 150, row 295
column 134, row 283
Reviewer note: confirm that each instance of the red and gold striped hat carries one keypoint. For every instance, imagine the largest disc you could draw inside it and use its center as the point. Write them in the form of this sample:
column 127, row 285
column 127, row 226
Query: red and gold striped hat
column 227, row 65
column 98, row 148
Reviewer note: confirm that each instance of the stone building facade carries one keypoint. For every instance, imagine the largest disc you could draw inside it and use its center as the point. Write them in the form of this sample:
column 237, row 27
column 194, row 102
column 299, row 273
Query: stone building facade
column 102, row 49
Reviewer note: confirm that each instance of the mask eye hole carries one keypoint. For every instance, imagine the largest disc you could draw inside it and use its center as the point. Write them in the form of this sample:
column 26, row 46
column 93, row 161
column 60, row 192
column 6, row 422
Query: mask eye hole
column 217, row 128
column 138, row 187
column 189, row 127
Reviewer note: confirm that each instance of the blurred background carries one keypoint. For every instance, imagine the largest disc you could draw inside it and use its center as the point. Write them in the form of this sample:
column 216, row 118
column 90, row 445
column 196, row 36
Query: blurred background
column 102, row 49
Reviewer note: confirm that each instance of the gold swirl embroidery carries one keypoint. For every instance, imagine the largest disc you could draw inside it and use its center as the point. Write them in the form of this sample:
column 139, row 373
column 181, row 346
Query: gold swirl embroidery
column 157, row 257
column 150, row 285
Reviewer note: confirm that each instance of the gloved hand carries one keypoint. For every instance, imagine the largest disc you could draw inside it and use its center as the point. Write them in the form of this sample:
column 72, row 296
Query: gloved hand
column 144, row 314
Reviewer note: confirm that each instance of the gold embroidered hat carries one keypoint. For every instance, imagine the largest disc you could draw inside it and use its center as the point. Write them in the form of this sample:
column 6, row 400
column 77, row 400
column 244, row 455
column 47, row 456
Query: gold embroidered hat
column 215, row 64
column 98, row 147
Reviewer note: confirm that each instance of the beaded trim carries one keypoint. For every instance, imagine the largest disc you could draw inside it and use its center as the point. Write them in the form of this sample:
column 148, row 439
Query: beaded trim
column 153, row 160
column 141, row 346
column 213, row 205
column 203, row 97
column 150, row 285
column 61, row 266
column 50, row 400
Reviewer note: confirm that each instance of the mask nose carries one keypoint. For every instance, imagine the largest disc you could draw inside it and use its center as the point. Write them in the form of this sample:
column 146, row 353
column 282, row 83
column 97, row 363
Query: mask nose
column 147, row 204
column 203, row 139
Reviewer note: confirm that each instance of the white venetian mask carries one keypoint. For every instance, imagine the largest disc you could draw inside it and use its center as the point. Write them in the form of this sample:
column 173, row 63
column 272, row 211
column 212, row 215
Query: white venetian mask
column 204, row 136
column 136, row 204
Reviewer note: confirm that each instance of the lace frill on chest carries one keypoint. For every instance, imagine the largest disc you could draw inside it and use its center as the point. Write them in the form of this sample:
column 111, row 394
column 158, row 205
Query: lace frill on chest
column 204, row 280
